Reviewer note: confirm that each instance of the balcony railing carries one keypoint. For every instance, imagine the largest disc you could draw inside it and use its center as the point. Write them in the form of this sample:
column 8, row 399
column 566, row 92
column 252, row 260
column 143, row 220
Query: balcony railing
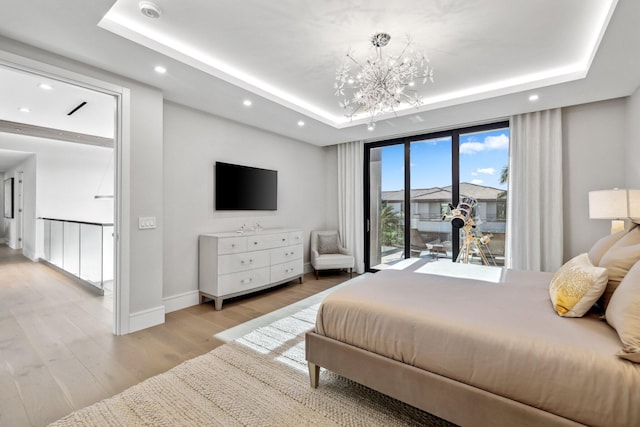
column 83, row 249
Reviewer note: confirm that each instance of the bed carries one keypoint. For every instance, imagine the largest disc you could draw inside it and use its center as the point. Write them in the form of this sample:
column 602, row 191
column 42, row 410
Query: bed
column 490, row 352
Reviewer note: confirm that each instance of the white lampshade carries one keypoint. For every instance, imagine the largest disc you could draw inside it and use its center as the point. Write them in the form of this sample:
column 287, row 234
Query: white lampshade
column 614, row 204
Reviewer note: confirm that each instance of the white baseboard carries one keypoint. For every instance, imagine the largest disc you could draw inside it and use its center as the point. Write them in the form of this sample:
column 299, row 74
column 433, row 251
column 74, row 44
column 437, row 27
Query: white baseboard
column 146, row 318
column 180, row 301
column 31, row 255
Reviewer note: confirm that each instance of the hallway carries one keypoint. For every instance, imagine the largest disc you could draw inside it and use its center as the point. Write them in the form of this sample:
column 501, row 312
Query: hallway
column 50, row 333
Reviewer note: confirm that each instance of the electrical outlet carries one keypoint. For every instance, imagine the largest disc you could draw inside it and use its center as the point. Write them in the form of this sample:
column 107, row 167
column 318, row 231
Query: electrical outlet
column 146, row 222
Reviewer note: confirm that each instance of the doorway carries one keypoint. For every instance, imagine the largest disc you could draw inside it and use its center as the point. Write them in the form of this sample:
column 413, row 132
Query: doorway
column 103, row 207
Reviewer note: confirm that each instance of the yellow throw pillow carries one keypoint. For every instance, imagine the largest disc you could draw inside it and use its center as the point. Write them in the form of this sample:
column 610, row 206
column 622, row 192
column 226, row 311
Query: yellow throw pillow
column 576, row 286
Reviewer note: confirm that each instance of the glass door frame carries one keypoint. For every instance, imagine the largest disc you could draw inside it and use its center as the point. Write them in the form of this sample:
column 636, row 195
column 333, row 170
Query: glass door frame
column 406, row 141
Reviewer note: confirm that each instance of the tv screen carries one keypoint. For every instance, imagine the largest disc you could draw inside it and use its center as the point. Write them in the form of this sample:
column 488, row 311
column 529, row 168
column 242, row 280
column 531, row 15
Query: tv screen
column 244, row 188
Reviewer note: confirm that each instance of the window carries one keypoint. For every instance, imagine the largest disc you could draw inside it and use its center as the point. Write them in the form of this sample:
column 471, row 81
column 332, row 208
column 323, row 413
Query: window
column 414, row 182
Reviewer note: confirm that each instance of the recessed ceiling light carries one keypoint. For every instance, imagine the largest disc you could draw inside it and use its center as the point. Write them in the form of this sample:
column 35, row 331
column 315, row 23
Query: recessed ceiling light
column 24, row 109
column 534, row 98
column 300, row 123
column 150, row 9
column 45, row 86
column 371, row 127
column 247, row 103
column 160, row 69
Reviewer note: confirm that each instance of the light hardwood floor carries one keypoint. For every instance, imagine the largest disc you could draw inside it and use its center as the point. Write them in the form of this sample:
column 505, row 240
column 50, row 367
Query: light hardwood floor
column 57, row 352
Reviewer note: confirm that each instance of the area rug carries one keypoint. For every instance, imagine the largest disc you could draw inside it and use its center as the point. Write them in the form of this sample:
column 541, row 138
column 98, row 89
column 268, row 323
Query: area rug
column 259, row 379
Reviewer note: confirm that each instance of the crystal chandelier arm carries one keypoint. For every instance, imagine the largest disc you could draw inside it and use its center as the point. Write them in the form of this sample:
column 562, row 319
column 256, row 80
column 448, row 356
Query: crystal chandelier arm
column 380, row 85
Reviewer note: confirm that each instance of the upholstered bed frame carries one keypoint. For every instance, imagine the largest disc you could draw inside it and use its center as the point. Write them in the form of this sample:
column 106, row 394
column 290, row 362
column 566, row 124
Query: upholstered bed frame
column 446, row 398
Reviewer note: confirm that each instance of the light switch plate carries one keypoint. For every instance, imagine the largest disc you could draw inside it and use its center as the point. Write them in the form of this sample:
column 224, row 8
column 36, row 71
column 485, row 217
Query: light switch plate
column 146, row 222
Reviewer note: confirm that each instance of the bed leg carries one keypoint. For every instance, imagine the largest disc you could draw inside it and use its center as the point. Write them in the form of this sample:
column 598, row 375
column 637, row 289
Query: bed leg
column 314, row 374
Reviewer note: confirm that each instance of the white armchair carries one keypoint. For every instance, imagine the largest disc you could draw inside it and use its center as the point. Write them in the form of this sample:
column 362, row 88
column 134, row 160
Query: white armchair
column 327, row 252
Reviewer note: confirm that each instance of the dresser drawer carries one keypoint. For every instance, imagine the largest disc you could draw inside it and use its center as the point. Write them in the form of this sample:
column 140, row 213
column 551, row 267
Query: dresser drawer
column 295, row 238
column 288, row 253
column 286, row 270
column 230, row 245
column 233, row 263
column 242, row 281
column 267, row 241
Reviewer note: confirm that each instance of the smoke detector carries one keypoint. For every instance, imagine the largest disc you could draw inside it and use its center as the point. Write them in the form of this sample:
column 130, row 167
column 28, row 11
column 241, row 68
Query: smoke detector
column 149, row 9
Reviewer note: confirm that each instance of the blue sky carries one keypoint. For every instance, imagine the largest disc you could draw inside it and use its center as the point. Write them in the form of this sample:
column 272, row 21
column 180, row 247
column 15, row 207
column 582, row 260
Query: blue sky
column 482, row 157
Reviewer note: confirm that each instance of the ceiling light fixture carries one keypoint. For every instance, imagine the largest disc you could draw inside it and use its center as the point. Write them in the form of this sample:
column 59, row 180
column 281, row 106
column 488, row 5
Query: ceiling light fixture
column 534, row 98
column 45, row 86
column 381, row 85
column 24, row 109
column 300, row 123
column 160, row 69
column 150, row 9
column 247, row 103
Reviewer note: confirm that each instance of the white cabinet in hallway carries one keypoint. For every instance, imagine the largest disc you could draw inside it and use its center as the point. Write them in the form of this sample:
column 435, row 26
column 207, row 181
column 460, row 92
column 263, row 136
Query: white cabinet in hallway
column 232, row 264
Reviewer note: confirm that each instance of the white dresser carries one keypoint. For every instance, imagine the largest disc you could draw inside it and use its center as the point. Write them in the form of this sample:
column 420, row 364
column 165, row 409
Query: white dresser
column 233, row 264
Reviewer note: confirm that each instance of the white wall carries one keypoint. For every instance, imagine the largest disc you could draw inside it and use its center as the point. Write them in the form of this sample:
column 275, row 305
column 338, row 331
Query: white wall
column 632, row 154
column 68, row 176
column 2, row 221
column 193, row 142
column 594, row 157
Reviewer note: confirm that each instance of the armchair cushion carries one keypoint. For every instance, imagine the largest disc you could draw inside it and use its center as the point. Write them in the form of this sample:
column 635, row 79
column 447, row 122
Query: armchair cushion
column 328, row 244
column 333, row 261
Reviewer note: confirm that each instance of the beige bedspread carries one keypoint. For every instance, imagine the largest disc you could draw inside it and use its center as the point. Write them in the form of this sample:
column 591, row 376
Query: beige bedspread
column 502, row 337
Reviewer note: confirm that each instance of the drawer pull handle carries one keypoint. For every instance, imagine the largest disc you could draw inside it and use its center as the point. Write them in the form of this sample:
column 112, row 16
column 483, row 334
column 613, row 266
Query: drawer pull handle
column 233, row 245
column 283, row 239
column 255, row 243
column 250, row 261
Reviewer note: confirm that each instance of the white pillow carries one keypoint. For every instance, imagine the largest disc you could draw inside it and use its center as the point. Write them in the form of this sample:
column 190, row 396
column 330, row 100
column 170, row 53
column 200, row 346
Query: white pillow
column 576, row 286
column 618, row 260
column 623, row 313
column 601, row 247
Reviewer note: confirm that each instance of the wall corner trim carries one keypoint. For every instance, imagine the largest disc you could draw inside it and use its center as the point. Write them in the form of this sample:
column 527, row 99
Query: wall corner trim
column 180, row 301
column 146, row 318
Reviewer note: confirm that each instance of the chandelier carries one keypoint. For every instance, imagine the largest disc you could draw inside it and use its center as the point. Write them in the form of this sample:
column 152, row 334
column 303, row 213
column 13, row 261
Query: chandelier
column 381, row 84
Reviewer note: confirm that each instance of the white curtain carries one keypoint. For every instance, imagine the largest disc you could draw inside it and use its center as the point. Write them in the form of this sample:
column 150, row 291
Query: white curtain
column 351, row 199
column 534, row 220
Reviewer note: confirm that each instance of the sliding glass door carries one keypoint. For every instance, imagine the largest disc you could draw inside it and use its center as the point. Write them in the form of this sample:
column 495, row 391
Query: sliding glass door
column 413, row 185
column 386, row 205
column 431, row 183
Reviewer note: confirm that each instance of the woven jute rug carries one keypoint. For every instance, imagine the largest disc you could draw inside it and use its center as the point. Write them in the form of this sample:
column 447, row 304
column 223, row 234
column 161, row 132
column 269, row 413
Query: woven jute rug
column 259, row 379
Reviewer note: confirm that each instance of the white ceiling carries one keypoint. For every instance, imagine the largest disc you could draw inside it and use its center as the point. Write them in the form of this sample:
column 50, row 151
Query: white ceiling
column 488, row 55
column 49, row 107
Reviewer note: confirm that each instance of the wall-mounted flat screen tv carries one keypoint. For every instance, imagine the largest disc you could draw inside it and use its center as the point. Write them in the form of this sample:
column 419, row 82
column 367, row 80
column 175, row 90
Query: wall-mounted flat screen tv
column 244, row 188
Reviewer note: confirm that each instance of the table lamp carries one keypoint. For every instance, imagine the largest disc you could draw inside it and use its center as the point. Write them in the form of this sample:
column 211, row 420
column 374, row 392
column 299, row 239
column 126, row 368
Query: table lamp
column 616, row 205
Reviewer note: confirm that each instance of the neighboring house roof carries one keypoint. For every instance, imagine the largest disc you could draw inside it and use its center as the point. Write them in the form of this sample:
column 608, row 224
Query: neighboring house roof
column 433, row 194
